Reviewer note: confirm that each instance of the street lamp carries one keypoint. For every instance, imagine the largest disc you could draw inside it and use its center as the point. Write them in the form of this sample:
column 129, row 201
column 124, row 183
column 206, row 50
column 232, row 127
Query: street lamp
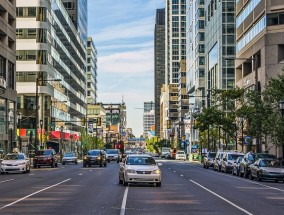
column 19, row 117
column 61, row 143
column 36, row 113
column 242, row 124
column 255, row 64
column 281, row 106
column 41, row 123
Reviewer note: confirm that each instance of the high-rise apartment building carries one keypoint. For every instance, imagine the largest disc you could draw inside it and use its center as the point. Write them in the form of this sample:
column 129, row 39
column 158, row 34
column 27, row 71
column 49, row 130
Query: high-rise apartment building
column 219, row 44
column 196, row 52
column 149, row 124
column 77, row 10
column 8, row 94
column 159, row 64
column 51, row 70
column 174, row 53
column 259, row 45
column 91, row 72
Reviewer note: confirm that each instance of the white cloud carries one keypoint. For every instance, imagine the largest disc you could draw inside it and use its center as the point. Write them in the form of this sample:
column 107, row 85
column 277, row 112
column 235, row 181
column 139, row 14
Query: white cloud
column 133, row 45
column 133, row 62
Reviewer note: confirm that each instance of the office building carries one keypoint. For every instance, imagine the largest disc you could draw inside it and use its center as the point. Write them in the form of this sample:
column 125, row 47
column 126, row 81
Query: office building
column 91, row 72
column 149, row 124
column 77, row 10
column 159, row 52
column 219, row 44
column 259, row 36
column 8, row 94
column 51, row 72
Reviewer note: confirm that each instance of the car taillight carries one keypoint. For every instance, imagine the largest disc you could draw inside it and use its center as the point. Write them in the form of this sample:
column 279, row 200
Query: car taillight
column 49, row 158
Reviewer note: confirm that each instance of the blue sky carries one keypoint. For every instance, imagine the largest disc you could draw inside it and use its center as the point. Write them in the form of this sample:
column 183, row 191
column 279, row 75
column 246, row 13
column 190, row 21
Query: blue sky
column 123, row 33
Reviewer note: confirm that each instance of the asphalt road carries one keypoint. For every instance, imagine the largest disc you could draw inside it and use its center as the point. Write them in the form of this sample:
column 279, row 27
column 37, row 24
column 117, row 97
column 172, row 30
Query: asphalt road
column 187, row 188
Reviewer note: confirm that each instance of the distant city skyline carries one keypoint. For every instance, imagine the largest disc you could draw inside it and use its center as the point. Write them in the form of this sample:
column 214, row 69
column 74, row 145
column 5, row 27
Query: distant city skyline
column 124, row 37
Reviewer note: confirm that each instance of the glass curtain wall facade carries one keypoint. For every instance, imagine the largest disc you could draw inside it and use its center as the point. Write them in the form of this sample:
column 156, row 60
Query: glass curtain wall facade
column 219, row 44
column 159, row 64
column 91, row 72
column 49, row 48
column 8, row 94
column 77, row 10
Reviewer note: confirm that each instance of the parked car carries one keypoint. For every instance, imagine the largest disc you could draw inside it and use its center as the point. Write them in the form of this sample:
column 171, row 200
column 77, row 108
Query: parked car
column 45, row 157
column 140, row 169
column 218, row 161
column 229, row 158
column 95, row 157
column 15, row 162
column 249, row 159
column 180, row 155
column 236, row 166
column 208, row 159
column 267, row 169
column 114, row 155
column 69, row 157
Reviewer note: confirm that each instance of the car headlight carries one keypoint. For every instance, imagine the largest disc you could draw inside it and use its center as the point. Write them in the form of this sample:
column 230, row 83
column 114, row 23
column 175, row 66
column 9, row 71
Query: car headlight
column 157, row 171
column 85, row 158
column 263, row 172
column 99, row 157
column 130, row 171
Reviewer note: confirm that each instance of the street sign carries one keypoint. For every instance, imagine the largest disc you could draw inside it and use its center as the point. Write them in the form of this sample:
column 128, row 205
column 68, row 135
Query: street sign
column 247, row 140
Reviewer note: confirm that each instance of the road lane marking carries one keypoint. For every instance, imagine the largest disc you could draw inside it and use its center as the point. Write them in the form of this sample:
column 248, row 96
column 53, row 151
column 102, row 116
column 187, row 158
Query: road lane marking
column 123, row 205
column 181, row 175
column 80, row 174
column 239, row 178
column 215, row 194
column 32, row 194
column 6, row 181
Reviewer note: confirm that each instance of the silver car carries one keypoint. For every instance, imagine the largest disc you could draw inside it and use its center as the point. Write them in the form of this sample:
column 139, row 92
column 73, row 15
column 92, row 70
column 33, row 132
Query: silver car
column 69, row 157
column 228, row 161
column 140, row 169
column 15, row 162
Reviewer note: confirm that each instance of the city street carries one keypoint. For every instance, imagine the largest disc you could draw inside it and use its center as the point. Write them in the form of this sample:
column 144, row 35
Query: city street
column 187, row 188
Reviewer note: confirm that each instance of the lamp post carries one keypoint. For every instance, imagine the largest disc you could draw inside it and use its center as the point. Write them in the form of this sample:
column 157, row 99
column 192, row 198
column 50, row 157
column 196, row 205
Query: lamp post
column 37, row 109
column 242, row 126
column 19, row 117
column 281, row 106
column 255, row 65
column 41, row 123
column 61, row 143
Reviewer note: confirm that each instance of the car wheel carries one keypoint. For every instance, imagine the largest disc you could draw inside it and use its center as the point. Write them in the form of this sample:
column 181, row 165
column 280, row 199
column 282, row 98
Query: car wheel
column 204, row 166
column 89, row 165
column 124, row 183
column 52, row 165
column 105, row 164
column 120, row 181
column 108, row 161
column 84, row 165
column 245, row 174
column 250, row 176
column 63, row 163
column 76, row 163
column 101, row 164
column 56, row 164
column 2, row 173
column 35, row 166
column 258, row 178
column 158, row 184
column 219, row 168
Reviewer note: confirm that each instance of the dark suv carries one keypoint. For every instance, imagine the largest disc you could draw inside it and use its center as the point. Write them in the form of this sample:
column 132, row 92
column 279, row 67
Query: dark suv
column 45, row 157
column 95, row 157
column 249, row 159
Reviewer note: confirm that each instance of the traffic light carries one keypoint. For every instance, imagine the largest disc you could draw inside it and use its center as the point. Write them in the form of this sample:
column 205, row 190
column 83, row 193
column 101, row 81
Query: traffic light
column 99, row 121
column 168, row 124
column 83, row 121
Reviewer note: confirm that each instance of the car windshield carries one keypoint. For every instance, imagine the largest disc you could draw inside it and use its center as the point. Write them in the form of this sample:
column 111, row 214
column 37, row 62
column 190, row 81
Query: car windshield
column 69, row 155
column 239, row 158
column 45, row 152
column 269, row 163
column 140, row 161
column 93, row 152
column 112, row 152
column 212, row 155
column 233, row 156
column 180, row 153
column 251, row 157
column 265, row 156
column 14, row 157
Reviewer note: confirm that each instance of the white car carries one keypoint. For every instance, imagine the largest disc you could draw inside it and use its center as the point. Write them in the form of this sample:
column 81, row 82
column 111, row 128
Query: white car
column 180, row 155
column 15, row 162
column 140, row 169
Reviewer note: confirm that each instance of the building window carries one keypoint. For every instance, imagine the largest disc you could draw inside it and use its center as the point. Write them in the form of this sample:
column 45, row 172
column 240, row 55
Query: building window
column 2, row 67
column 11, row 75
